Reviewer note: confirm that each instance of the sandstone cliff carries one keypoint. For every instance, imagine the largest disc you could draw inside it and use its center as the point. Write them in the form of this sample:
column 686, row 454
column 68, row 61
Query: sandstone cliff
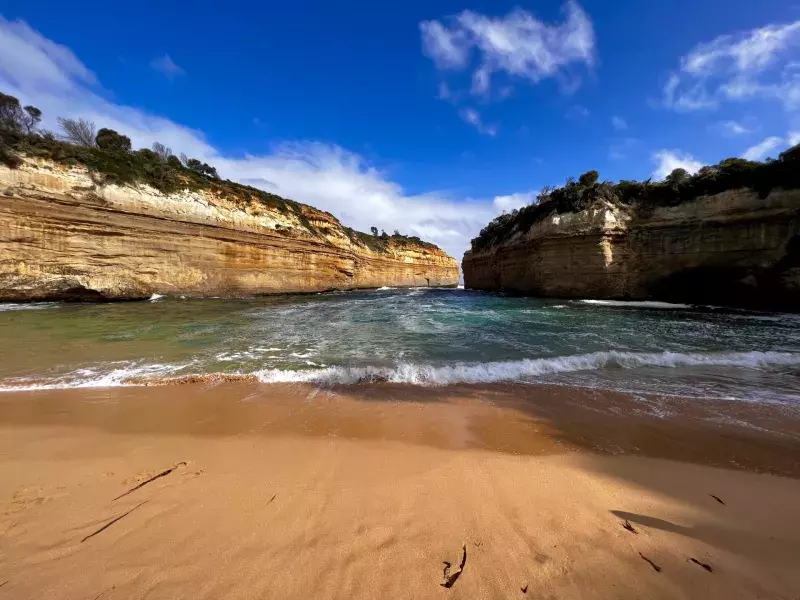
column 732, row 248
column 65, row 234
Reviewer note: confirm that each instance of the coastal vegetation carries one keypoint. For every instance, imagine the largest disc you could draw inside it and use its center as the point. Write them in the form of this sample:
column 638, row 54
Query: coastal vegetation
column 110, row 155
column 678, row 187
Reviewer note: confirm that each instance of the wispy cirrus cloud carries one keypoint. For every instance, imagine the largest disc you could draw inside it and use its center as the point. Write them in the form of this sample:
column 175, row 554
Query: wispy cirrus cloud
column 619, row 123
column 761, row 150
column 733, row 128
column 41, row 72
column 518, row 45
column 473, row 117
column 622, row 148
column 167, row 67
column 759, row 63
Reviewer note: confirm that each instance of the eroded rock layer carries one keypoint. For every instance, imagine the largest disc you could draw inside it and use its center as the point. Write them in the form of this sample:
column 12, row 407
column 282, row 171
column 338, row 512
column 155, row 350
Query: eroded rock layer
column 733, row 249
column 66, row 235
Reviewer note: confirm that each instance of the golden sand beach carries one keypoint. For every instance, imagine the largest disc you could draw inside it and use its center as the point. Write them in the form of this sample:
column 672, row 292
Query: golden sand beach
column 246, row 490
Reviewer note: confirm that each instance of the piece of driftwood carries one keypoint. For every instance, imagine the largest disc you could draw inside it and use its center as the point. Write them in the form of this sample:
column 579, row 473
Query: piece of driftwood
column 706, row 566
column 110, row 523
column 656, row 568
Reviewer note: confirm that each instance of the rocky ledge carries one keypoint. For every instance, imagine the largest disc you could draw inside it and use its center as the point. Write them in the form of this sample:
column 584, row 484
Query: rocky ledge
column 65, row 234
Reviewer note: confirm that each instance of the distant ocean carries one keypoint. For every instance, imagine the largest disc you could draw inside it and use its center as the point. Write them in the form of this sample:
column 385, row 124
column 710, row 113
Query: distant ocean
column 416, row 336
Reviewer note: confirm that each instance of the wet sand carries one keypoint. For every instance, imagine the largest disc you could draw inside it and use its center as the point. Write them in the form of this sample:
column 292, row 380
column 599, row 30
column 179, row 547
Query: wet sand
column 364, row 491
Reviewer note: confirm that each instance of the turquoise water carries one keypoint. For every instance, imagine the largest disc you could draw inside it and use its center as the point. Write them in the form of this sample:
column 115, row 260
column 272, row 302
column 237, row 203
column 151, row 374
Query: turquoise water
column 417, row 336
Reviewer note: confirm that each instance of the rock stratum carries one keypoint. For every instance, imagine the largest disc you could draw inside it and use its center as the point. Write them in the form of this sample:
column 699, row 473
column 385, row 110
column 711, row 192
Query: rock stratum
column 735, row 248
column 67, row 235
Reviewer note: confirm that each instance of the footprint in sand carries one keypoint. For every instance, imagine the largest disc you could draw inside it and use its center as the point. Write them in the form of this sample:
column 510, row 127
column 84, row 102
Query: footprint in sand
column 27, row 498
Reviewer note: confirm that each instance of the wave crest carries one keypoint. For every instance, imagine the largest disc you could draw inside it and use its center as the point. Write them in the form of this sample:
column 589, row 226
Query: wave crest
column 417, row 374
column 517, row 370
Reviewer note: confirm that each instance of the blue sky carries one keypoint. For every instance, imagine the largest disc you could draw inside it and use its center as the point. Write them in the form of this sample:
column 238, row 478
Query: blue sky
column 430, row 117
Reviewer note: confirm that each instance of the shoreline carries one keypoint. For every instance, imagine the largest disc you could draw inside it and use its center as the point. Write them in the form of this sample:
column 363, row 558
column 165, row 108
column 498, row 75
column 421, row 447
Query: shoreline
column 515, row 418
column 247, row 490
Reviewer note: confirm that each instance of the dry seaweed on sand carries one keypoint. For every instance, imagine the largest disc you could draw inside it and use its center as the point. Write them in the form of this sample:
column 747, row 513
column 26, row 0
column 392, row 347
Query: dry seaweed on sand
column 627, row 525
column 450, row 579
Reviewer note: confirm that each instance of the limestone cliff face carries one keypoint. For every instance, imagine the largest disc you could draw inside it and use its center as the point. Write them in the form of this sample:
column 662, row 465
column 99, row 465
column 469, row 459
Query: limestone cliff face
column 733, row 249
column 65, row 235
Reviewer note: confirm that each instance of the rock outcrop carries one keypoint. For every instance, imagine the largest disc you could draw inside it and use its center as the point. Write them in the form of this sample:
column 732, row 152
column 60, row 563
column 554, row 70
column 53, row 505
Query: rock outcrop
column 733, row 248
column 65, row 235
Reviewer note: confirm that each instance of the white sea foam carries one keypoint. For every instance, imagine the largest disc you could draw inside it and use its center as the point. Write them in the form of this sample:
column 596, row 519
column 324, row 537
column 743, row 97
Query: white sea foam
column 156, row 297
column 28, row 306
column 420, row 374
column 92, row 378
column 528, row 369
column 384, row 288
column 636, row 304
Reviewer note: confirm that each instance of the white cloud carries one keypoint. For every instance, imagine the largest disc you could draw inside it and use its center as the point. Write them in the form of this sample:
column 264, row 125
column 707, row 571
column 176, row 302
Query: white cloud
column 577, row 112
column 49, row 76
column 473, row 117
column 794, row 138
column 760, row 151
column 759, row 63
column 669, row 160
column 448, row 49
column 512, row 201
column 735, row 128
column 619, row 123
column 517, row 44
column 166, row 66
column 29, row 60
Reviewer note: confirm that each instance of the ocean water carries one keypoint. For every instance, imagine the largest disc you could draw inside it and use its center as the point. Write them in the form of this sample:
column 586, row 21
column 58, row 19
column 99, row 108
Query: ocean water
column 416, row 336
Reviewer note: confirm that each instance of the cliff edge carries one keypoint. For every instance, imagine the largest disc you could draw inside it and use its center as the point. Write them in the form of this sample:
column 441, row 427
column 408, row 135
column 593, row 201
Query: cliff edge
column 68, row 233
column 739, row 247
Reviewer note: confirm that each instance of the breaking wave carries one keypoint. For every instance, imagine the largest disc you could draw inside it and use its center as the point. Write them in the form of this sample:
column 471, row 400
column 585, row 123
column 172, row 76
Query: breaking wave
column 526, row 370
column 636, row 304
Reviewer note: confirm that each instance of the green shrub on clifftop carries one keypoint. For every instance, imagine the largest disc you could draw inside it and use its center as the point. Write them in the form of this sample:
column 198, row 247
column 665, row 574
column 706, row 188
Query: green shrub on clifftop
column 678, row 187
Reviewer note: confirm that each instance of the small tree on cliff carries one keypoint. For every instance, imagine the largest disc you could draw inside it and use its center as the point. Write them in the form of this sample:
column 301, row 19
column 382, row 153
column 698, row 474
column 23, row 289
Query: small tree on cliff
column 374, row 231
column 199, row 167
column 14, row 117
column 677, row 177
column 162, row 151
column 589, row 178
column 108, row 139
column 78, row 131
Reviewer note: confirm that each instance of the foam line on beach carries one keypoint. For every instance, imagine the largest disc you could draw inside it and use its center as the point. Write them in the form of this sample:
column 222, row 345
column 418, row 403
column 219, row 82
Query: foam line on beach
column 417, row 374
